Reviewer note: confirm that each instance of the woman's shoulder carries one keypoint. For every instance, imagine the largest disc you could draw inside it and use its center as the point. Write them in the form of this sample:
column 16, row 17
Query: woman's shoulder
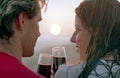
column 104, row 68
column 105, row 65
column 69, row 71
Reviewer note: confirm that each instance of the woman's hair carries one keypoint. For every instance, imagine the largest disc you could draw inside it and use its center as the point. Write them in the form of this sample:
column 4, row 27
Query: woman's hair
column 10, row 10
column 102, row 19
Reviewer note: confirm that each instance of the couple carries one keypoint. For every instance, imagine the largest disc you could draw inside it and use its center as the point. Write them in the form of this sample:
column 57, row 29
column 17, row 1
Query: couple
column 97, row 37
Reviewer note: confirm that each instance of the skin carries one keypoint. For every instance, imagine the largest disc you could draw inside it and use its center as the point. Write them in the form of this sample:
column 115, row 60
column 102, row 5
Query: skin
column 81, row 38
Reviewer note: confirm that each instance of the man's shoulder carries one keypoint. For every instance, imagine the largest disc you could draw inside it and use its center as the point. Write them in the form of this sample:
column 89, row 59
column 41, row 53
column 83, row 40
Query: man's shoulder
column 14, row 68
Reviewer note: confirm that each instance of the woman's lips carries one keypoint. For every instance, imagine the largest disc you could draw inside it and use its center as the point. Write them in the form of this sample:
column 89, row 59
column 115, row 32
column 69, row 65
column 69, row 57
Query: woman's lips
column 77, row 49
column 76, row 46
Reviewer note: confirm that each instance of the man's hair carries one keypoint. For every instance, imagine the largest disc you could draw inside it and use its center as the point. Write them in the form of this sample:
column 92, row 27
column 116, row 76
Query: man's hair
column 10, row 10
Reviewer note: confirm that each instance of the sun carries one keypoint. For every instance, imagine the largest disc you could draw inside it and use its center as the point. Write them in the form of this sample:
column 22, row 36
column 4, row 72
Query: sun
column 55, row 29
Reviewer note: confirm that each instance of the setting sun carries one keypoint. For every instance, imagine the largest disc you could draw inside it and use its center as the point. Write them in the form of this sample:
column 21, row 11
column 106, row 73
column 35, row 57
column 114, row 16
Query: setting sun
column 55, row 29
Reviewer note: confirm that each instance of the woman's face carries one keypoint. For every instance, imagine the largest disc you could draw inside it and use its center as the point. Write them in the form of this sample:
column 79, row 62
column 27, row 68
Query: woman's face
column 81, row 37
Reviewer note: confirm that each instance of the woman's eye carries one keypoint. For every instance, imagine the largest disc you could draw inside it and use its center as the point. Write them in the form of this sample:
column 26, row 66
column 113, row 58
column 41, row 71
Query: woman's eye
column 78, row 30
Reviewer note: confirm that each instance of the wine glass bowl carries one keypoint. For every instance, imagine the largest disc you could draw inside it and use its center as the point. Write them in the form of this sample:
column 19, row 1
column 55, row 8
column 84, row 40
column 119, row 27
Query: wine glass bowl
column 45, row 64
column 59, row 57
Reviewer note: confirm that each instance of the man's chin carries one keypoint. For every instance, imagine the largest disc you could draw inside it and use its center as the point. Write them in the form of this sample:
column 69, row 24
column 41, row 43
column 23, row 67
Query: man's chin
column 28, row 54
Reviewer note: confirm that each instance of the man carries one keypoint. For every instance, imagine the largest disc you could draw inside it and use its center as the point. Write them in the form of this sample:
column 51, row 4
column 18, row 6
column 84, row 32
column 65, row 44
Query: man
column 18, row 34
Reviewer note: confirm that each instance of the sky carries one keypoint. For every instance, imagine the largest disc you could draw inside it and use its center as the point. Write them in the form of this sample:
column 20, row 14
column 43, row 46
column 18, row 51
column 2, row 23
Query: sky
column 61, row 12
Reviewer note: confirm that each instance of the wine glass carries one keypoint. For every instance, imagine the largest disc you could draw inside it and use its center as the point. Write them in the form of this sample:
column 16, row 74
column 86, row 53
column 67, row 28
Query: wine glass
column 44, row 64
column 59, row 57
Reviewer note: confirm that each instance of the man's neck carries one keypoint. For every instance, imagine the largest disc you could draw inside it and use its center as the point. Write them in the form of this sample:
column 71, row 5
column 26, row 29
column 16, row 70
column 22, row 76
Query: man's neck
column 11, row 47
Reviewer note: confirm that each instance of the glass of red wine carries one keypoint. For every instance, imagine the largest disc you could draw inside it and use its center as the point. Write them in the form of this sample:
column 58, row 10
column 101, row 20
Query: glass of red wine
column 59, row 57
column 44, row 64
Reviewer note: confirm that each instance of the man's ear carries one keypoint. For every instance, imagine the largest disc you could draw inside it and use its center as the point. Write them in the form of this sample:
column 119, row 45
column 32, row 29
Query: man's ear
column 20, row 21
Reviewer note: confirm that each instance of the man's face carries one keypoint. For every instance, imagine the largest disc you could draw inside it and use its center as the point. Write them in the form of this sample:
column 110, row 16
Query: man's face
column 31, row 28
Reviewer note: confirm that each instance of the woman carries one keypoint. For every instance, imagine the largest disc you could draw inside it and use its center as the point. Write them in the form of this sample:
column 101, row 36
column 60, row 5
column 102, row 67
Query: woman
column 97, row 37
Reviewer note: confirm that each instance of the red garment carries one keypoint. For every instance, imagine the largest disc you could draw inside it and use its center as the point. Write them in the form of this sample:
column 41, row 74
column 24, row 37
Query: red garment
column 11, row 67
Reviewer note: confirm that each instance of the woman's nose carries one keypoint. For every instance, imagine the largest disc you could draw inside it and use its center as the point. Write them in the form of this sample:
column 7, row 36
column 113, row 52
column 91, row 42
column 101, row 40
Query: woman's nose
column 73, row 38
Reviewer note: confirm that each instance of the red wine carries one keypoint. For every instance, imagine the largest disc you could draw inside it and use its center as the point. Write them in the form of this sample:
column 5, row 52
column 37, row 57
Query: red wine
column 44, row 70
column 57, row 61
